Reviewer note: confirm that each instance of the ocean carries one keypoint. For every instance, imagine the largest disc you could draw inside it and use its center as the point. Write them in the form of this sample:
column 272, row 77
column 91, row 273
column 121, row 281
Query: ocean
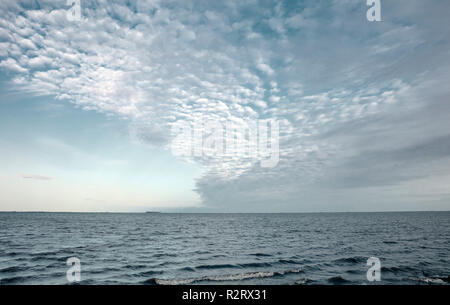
column 165, row 249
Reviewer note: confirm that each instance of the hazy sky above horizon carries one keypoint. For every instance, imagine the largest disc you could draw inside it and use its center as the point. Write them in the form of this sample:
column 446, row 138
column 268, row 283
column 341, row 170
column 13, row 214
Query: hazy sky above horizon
column 86, row 105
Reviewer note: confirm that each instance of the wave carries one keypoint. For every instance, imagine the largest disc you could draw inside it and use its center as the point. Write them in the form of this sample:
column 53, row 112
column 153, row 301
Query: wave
column 18, row 279
column 220, row 278
column 149, row 273
column 303, row 281
column 338, row 280
column 134, row 267
column 255, row 265
column 14, row 269
column 397, row 269
column 190, row 269
column 288, row 261
column 102, row 270
column 159, row 255
column 351, row 260
column 435, row 280
column 218, row 266
column 248, row 265
column 261, row 254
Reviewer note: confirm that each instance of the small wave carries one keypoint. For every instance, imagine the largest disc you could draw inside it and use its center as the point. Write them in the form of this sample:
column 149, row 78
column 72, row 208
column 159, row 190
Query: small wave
column 158, row 255
column 135, row 267
column 40, row 258
column 220, row 278
column 151, row 281
column 218, row 256
column 202, row 252
column 13, row 269
column 261, row 254
column 293, row 231
column 353, row 271
column 255, row 265
column 51, row 254
column 397, row 269
column 17, row 279
column 102, row 270
column 149, row 273
column 435, row 280
column 303, row 281
column 338, row 280
column 313, row 267
column 218, row 266
column 44, row 253
column 446, row 279
column 165, row 263
column 351, row 260
column 85, row 282
column 14, row 254
column 288, row 261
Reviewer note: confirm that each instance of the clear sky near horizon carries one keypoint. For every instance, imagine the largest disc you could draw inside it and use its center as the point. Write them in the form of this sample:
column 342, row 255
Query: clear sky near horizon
column 86, row 105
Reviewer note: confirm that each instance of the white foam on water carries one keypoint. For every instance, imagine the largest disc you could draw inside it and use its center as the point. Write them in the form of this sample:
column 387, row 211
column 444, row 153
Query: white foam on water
column 225, row 277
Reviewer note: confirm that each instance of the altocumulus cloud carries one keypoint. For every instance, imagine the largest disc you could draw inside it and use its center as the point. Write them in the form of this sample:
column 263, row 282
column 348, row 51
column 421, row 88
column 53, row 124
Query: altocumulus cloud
column 363, row 107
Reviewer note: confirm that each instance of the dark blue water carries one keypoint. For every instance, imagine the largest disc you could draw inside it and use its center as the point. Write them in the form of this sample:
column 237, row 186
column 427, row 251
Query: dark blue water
column 414, row 248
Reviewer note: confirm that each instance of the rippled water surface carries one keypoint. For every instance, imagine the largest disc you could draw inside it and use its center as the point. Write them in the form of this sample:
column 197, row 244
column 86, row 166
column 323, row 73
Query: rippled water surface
column 414, row 248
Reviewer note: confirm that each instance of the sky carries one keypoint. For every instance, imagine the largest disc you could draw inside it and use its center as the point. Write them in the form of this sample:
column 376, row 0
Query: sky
column 88, row 104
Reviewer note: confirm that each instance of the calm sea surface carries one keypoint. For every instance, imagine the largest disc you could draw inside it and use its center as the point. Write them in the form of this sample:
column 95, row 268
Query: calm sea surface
column 158, row 249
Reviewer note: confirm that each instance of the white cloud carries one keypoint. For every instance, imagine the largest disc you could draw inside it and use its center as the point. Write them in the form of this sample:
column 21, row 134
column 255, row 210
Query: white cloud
column 157, row 63
column 36, row 177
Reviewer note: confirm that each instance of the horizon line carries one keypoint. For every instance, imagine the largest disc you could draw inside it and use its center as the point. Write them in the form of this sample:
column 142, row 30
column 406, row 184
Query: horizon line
column 161, row 212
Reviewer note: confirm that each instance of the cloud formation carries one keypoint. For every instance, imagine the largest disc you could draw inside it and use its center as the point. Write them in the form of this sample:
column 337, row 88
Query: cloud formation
column 36, row 177
column 363, row 107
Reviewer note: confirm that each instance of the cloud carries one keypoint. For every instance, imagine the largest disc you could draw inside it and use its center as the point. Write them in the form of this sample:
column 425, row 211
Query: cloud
column 359, row 104
column 37, row 177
